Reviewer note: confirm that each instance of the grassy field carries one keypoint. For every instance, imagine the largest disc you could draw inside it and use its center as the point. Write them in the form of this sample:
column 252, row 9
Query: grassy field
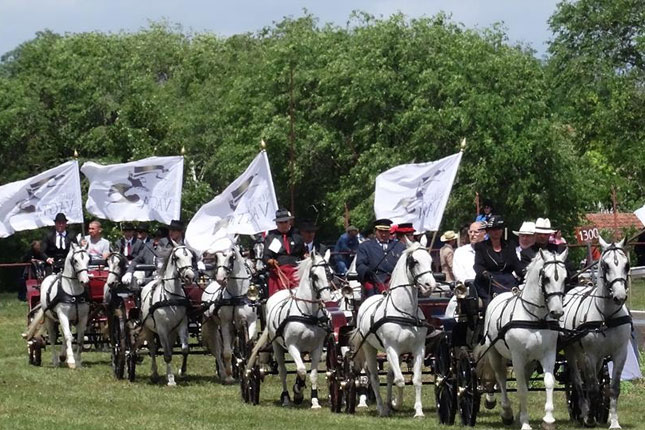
column 90, row 398
column 636, row 298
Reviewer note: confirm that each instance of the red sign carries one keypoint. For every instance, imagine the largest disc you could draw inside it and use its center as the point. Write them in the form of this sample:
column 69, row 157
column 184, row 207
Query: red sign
column 587, row 234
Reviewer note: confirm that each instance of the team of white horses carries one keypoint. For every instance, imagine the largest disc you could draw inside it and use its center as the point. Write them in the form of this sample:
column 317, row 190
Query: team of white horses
column 522, row 326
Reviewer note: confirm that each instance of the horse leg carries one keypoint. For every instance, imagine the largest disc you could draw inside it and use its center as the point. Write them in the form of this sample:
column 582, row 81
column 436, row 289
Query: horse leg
column 372, row 369
column 301, row 373
column 226, row 329
column 519, row 366
column 498, row 364
column 51, row 334
column 619, row 358
column 152, row 346
column 278, row 353
column 167, row 342
column 63, row 322
column 593, row 391
column 388, row 389
column 80, row 335
column 548, row 362
column 417, row 370
column 183, row 338
column 313, row 377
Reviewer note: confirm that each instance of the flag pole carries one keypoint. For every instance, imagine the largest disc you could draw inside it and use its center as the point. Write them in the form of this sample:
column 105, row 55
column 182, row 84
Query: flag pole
column 82, row 215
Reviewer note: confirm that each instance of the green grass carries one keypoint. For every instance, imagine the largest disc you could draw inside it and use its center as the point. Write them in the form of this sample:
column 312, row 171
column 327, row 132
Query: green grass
column 90, row 398
column 636, row 299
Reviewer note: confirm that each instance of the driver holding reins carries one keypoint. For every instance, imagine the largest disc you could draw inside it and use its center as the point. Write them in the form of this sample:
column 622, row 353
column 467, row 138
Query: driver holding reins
column 283, row 249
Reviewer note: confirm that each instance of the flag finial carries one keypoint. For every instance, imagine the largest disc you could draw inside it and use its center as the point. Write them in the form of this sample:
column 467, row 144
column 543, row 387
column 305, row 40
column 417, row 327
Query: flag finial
column 183, row 150
column 463, row 144
column 75, row 153
column 263, row 144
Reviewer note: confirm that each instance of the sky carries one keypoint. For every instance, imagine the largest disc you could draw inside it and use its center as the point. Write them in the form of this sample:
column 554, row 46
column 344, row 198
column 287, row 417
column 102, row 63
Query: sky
column 525, row 20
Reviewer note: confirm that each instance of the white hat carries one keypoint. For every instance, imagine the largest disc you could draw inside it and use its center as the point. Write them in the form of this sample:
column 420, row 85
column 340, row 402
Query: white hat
column 528, row 227
column 543, row 226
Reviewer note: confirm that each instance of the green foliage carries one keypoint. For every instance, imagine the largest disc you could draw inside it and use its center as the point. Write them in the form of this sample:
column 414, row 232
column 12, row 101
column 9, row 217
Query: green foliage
column 363, row 98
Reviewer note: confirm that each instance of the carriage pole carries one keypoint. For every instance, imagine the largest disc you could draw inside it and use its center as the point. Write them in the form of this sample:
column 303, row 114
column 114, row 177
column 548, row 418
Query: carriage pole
column 82, row 216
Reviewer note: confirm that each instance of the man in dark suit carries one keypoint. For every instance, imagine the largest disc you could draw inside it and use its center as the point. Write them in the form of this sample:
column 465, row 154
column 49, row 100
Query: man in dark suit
column 56, row 243
column 376, row 258
column 128, row 245
column 308, row 231
column 143, row 233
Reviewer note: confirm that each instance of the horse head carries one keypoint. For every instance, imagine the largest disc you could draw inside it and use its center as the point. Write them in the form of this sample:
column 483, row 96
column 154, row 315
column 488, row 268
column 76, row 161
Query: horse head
column 316, row 271
column 418, row 263
column 552, row 275
column 614, row 268
column 117, row 264
column 76, row 262
column 224, row 263
column 182, row 259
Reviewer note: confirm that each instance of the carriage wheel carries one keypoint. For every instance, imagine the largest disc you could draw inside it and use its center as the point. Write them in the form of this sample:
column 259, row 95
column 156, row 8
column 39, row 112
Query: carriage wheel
column 351, row 394
column 602, row 406
column 333, row 375
column 131, row 356
column 251, row 385
column 240, row 350
column 468, row 396
column 445, row 388
column 118, row 341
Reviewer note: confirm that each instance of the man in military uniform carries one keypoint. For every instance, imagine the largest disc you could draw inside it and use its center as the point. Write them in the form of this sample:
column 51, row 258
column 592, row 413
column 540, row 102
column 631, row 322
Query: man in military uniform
column 283, row 249
column 376, row 258
column 56, row 244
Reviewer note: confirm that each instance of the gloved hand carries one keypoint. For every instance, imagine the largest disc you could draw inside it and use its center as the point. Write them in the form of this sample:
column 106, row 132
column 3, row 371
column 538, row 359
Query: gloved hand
column 127, row 278
column 201, row 266
column 486, row 276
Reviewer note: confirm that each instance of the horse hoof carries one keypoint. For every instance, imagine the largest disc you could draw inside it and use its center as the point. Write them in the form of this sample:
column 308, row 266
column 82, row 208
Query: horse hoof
column 589, row 422
column 507, row 421
column 490, row 404
column 284, row 399
column 172, row 384
column 229, row 380
column 548, row 426
column 419, row 415
column 315, row 404
column 71, row 365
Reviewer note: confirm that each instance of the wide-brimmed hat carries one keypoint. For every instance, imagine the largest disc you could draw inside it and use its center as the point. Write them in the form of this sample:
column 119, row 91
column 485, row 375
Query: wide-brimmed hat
column 543, row 226
column 382, row 224
column 282, row 215
column 405, row 227
column 308, row 225
column 176, row 225
column 60, row 217
column 495, row 222
column 448, row 235
column 528, row 227
column 143, row 227
column 127, row 226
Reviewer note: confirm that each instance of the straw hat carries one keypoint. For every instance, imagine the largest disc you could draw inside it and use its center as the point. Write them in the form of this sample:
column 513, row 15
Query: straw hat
column 543, row 226
column 528, row 227
column 448, row 236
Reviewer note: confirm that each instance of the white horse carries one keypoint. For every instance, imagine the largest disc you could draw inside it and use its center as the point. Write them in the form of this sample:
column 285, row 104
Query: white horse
column 601, row 327
column 163, row 310
column 394, row 323
column 228, row 308
column 297, row 323
column 64, row 299
column 522, row 326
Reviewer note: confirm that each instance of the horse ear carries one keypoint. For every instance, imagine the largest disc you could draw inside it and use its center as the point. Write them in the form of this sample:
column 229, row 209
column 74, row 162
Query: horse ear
column 408, row 243
column 313, row 253
column 563, row 255
column 621, row 243
column 424, row 241
column 327, row 255
column 602, row 242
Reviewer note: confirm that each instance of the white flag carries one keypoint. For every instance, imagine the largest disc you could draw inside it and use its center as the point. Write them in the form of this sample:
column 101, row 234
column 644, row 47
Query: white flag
column 416, row 193
column 34, row 202
column 143, row 190
column 640, row 214
column 246, row 206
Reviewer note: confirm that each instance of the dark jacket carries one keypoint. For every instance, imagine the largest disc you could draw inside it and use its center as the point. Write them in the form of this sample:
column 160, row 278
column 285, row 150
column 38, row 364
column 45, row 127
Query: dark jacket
column 137, row 246
column 487, row 260
column 373, row 263
column 320, row 248
column 296, row 247
column 147, row 255
column 49, row 249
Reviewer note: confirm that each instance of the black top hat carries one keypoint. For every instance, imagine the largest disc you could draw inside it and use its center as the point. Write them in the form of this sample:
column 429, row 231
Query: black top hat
column 495, row 222
column 60, row 217
column 308, row 225
column 127, row 226
column 143, row 227
column 176, row 225
column 282, row 215
column 382, row 224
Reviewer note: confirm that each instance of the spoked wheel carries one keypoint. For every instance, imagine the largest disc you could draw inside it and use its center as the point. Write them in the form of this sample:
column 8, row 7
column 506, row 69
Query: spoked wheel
column 350, row 389
column 240, row 350
column 602, row 406
column 334, row 375
column 468, row 396
column 572, row 397
column 118, row 341
column 250, row 384
column 445, row 388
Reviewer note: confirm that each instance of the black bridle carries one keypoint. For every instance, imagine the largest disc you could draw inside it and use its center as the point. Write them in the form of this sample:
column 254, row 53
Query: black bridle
column 227, row 268
column 74, row 263
column 604, row 266
column 121, row 264
column 544, row 278
column 313, row 279
column 174, row 258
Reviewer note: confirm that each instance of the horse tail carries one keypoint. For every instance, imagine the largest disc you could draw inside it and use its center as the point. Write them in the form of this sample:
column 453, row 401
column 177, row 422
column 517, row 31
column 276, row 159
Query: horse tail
column 35, row 325
column 356, row 343
column 259, row 345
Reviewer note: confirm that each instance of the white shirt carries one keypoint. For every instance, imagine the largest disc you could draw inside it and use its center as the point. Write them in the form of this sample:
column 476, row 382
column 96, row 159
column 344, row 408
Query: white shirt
column 463, row 263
